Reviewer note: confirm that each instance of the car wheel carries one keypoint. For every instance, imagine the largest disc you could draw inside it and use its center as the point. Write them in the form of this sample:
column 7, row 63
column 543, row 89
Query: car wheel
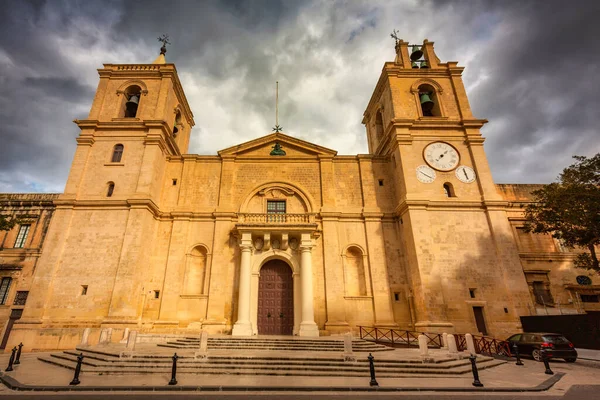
column 537, row 355
column 570, row 360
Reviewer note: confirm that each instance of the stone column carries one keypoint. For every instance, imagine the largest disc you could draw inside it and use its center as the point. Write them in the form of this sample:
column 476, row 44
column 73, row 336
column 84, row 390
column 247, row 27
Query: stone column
column 243, row 326
column 308, row 327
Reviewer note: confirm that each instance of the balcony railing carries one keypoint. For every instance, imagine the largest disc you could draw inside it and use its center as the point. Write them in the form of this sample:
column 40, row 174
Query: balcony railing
column 279, row 219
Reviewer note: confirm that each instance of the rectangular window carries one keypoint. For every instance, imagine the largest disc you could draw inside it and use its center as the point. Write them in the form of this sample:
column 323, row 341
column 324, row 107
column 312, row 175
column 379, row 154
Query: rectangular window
column 22, row 236
column 472, row 293
column 542, row 294
column 21, row 298
column 275, row 206
column 156, row 294
column 84, row 290
column 590, row 298
column 4, row 287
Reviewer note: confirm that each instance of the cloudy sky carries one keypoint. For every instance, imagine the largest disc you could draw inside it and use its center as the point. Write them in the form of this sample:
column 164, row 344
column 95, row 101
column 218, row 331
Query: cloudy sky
column 532, row 69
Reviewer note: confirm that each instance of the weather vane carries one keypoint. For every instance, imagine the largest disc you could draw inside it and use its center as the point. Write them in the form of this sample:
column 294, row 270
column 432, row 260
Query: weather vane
column 277, row 128
column 165, row 41
column 394, row 36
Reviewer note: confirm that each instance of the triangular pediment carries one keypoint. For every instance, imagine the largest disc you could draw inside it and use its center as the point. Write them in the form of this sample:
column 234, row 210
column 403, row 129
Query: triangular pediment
column 263, row 146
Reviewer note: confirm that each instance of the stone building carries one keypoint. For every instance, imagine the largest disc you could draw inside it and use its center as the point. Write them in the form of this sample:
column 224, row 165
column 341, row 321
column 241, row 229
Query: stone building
column 281, row 236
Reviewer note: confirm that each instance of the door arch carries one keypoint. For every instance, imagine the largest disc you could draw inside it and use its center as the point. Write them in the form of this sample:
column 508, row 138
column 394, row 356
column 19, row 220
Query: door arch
column 275, row 315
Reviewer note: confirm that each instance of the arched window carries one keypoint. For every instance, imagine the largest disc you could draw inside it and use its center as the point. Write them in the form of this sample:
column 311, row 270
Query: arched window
column 110, row 190
column 132, row 101
column 195, row 271
column 117, row 153
column 449, row 190
column 430, row 105
column 355, row 273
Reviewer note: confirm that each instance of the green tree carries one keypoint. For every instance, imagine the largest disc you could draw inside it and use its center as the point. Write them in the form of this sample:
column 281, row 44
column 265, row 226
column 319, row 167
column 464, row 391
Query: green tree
column 569, row 209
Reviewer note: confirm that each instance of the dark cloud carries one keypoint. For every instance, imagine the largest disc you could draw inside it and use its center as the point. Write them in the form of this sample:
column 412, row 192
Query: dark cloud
column 531, row 69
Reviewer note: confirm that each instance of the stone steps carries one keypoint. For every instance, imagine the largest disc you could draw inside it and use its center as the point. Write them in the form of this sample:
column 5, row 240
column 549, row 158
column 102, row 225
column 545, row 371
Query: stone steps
column 108, row 363
column 275, row 344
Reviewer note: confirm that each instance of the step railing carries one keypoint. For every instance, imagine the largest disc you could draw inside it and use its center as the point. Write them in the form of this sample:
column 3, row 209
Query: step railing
column 484, row 344
column 399, row 337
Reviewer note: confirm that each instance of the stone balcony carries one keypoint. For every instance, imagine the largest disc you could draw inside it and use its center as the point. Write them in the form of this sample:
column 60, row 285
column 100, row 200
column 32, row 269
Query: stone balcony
column 276, row 223
column 276, row 219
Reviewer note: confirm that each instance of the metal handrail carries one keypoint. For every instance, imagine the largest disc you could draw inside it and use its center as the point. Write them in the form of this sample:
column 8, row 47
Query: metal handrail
column 483, row 344
column 397, row 336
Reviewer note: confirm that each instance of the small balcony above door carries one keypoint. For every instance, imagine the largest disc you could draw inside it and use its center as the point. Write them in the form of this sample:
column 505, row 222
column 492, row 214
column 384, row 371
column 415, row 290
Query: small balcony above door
column 273, row 219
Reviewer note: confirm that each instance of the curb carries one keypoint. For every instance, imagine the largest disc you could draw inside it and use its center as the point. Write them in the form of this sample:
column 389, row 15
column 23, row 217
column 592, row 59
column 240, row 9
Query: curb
column 13, row 384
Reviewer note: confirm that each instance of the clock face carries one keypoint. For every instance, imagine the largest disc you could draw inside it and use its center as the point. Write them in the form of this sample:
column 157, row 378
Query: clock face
column 465, row 174
column 441, row 156
column 425, row 174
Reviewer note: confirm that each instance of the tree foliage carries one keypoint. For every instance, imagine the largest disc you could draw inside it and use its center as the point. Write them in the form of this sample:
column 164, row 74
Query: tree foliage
column 569, row 209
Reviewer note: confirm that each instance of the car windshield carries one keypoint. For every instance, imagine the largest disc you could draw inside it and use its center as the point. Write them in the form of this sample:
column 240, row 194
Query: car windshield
column 556, row 339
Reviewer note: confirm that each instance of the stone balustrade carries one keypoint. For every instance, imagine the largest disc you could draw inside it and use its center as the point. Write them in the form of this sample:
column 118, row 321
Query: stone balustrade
column 281, row 219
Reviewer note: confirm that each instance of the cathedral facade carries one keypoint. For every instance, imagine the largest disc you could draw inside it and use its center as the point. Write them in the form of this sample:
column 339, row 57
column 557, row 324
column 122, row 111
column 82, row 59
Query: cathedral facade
column 278, row 235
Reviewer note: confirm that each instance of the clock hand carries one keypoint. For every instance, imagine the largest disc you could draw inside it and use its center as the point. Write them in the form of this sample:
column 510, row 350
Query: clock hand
column 465, row 172
column 426, row 174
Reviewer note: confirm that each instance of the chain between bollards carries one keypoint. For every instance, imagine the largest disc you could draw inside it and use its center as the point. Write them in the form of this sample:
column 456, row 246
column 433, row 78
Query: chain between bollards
column 173, row 381
column 17, row 361
column 546, row 363
column 11, row 360
column 75, row 380
column 372, row 369
column 516, row 349
column 476, row 381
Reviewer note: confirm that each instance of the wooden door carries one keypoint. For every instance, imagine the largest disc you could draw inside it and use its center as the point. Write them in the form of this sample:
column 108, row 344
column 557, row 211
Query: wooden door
column 479, row 320
column 275, row 299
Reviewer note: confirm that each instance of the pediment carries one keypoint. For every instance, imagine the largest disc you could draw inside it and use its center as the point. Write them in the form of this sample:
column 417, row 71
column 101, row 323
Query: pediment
column 263, row 146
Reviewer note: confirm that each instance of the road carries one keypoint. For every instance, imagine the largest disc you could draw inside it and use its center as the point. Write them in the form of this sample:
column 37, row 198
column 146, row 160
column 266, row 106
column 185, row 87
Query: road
column 577, row 392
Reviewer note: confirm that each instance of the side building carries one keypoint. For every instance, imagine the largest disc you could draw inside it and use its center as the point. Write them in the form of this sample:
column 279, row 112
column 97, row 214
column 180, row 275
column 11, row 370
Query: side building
column 20, row 251
column 281, row 236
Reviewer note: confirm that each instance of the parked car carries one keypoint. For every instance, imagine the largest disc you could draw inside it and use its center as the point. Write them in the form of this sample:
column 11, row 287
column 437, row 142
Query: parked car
column 556, row 345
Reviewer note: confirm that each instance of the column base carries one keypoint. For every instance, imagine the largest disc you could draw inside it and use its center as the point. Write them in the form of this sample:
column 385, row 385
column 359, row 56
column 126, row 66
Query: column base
column 308, row 329
column 242, row 329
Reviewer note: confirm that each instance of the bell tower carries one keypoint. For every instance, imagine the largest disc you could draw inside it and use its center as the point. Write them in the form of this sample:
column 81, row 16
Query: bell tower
column 104, row 226
column 419, row 119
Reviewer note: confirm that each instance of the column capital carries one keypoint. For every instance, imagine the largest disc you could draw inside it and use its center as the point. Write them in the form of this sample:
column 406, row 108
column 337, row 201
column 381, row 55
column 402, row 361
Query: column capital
column 306, row 247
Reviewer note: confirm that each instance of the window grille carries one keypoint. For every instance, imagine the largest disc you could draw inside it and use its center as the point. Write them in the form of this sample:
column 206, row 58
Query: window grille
column 275, row 206
column 21, row 298
column 4, row 287
column 22, row 236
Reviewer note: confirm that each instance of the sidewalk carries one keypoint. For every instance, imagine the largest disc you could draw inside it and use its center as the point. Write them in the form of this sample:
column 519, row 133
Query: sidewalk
column 508, row 377
column 588, row 354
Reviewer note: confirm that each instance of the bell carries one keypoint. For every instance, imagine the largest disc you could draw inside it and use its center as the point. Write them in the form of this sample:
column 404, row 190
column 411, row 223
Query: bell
column 416, row 53
column 415, row 64
column 132, row 105
column 426, row 102
column 424, row 64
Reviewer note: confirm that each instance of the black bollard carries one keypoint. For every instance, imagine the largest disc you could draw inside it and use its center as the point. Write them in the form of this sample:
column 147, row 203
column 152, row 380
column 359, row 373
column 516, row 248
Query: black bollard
column 372, row 369
column 516, row 349
column 476, row 381
column 173, row 381
column 546, row 363
column 75, row 380
column 11, row 360
column 17, row 361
